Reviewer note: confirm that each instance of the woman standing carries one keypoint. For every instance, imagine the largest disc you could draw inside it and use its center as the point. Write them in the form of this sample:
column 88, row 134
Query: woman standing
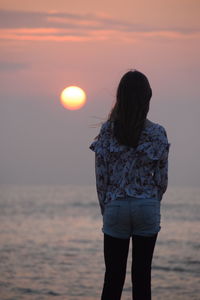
column 131, row 159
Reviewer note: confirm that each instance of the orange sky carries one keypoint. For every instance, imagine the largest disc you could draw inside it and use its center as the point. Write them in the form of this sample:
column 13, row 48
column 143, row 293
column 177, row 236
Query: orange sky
column 171, row 18
column 48, row 45
column 160, row 12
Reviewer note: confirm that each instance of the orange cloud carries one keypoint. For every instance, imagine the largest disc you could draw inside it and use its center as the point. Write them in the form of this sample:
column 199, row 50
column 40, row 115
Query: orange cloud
column 55, row 26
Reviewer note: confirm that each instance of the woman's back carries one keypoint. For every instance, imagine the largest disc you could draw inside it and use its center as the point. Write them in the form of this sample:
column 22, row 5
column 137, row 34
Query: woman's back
column 132, row 171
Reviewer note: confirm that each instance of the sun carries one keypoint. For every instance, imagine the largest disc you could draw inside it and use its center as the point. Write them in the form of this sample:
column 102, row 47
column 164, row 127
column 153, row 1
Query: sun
column 73, row 97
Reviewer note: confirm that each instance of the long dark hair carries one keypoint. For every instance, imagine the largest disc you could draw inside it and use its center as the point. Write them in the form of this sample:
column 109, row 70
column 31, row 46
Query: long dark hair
column 131, row 107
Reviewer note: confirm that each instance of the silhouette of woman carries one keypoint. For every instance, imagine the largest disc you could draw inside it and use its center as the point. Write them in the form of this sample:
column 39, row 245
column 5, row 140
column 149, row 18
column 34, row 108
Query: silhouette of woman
column 131, row 165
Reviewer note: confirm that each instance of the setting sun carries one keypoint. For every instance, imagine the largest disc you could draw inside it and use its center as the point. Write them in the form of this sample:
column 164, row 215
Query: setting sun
column 73, row 97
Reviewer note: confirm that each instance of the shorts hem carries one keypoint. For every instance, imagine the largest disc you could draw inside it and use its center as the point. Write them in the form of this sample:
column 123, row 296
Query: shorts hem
column 121, row 236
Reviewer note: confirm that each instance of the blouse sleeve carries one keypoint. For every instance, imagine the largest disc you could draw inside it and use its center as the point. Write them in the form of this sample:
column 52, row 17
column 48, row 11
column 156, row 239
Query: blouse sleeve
column 101, row 179
column 162, row 173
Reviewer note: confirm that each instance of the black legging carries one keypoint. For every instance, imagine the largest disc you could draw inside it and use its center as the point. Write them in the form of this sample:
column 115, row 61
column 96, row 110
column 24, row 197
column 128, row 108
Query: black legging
column 115, row 255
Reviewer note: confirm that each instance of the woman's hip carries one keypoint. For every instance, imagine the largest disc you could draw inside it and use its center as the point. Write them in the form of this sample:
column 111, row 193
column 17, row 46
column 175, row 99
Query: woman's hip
column 125, row 217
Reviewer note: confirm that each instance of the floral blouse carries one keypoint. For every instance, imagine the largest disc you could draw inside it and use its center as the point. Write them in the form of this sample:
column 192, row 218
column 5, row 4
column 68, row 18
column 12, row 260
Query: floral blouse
column 121, row 170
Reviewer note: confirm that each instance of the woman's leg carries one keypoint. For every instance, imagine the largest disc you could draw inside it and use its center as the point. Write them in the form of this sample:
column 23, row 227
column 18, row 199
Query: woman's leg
column 115, row 255
column 142, row 253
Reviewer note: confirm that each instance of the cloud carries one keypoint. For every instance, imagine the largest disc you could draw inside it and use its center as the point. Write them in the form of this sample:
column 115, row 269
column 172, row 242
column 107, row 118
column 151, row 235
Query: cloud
column 57, row 26
column 12, row 66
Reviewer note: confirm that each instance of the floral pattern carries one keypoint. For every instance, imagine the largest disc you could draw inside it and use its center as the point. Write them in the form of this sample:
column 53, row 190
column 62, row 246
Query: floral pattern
column 121, row 170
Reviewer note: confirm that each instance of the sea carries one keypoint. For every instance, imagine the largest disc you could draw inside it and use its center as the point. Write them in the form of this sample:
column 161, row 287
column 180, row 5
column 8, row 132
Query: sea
column 51, row 244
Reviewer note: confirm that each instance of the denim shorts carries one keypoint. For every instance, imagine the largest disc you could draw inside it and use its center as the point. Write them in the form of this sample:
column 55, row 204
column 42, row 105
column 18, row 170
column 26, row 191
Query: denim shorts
column 125, row 217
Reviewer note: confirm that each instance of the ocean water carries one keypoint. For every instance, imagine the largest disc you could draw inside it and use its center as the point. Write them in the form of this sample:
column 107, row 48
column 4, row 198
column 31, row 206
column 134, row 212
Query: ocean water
column 51, row 245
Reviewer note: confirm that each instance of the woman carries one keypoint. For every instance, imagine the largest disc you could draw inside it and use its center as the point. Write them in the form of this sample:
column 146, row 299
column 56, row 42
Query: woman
column 131, row 159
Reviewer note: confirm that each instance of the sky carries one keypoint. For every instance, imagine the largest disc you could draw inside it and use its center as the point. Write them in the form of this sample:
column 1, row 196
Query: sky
column 47, row 45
